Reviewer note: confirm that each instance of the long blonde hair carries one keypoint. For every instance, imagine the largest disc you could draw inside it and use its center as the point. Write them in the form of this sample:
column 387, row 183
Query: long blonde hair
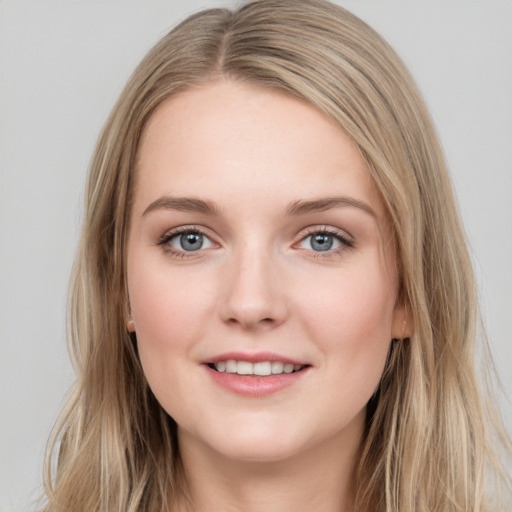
column 428, row 442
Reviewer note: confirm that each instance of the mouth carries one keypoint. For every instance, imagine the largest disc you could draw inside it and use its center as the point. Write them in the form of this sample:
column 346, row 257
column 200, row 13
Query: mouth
column 256, row 375
column 257, row 369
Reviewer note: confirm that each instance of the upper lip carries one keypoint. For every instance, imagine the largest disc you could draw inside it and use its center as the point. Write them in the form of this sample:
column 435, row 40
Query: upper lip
column 256, row 357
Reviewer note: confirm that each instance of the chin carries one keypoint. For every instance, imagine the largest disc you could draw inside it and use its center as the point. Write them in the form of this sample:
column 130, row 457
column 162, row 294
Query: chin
column 264, row 451
column 254, row 442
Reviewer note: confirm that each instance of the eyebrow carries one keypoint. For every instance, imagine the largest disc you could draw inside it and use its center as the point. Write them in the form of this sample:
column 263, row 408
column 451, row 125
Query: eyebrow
column 296, row 208
column 184, row 204
column 320, row 205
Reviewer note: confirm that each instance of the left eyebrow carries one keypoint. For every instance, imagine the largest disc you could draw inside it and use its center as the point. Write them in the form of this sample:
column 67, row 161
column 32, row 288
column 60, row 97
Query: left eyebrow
column 186, row 204
column 320, row 205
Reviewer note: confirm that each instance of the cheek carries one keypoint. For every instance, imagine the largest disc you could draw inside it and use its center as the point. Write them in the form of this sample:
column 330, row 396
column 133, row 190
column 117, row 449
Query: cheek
column 169, row 311
column 355, row 305
column 168, row 306
column 351, row 317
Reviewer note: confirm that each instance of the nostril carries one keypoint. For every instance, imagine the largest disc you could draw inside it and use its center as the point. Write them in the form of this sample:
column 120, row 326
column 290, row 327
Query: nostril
column 248, row 323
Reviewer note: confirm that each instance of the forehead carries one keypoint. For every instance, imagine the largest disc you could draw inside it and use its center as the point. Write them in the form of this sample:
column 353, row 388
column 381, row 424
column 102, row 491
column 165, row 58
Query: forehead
column 243, row 140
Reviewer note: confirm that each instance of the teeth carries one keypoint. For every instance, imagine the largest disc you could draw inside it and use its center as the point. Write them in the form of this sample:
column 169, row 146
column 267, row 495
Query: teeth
column 288, row 368
column 231, row 366
column 277, row 367
column 244, row 368
column 262, row 368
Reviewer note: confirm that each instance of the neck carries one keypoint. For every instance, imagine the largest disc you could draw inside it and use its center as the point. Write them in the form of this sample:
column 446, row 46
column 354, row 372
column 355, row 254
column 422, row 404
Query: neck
column 320, row 478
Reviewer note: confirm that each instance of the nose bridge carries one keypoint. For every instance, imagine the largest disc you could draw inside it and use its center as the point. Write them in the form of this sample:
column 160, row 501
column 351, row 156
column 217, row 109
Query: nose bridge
column 253, row 295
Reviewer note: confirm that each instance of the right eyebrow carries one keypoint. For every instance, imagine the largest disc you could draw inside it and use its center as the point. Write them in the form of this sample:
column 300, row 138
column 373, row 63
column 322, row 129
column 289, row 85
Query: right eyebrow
column 184, row 204
column 322, row 204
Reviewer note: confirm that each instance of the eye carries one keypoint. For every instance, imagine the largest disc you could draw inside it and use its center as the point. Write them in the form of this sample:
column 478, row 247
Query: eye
column 186, row 240
column 190, row 241
column 324, row 241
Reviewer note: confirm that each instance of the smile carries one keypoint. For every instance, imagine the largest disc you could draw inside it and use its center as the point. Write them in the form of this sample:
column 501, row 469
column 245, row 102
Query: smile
column 255, row 374
column 261, row 368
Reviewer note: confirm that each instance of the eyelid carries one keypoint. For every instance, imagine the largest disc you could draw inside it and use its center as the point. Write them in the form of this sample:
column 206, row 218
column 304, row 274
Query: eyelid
column 168, row 235
column 346, row 241
column 328, row 230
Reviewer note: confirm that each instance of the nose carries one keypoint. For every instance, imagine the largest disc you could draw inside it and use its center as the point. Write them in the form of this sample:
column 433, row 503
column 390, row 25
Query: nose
column 254, row 295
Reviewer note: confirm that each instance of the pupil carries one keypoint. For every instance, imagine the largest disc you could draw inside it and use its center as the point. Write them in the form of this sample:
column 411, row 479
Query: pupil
column 321, row 242
column 191, row 241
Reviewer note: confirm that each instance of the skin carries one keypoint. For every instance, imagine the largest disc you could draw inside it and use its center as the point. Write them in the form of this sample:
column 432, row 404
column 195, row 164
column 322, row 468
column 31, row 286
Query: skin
column 258, row 284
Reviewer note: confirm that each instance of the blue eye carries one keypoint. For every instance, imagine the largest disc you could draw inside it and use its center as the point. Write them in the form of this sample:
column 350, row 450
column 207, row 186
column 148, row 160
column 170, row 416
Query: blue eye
column 190, row 241
column 322, row 241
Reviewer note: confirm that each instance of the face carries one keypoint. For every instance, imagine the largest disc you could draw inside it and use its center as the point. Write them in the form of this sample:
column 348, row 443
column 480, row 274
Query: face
column 261, row 273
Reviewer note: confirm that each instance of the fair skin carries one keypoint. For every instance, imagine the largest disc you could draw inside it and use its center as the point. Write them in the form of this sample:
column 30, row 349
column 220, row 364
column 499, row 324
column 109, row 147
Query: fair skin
column 257, row 236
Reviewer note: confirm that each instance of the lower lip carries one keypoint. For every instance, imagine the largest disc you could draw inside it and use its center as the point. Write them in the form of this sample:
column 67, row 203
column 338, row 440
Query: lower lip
column 253, row 385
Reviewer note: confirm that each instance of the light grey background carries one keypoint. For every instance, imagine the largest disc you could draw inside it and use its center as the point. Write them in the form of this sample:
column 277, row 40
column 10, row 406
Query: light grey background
column 62, row 65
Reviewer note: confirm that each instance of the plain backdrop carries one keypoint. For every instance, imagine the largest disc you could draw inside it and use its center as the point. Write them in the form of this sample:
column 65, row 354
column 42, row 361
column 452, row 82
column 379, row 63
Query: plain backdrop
column 62, row 65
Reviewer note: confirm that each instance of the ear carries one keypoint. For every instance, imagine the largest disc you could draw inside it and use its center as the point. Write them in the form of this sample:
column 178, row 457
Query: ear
column 402, row 324
column 130, row 324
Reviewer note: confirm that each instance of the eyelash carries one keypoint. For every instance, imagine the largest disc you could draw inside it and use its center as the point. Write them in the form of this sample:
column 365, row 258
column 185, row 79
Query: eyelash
column 164, row 241
column 346, row 243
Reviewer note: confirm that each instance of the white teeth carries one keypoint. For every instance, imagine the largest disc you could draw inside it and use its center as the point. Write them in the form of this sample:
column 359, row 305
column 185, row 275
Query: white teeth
column 231, row 366
column 288, row 368
column 261, row 368
column 244, row 368
column 277, row 367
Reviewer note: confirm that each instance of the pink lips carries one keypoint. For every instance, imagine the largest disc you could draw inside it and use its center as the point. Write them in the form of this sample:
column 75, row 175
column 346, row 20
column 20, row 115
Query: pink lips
column 252, row 358
column 253, row 385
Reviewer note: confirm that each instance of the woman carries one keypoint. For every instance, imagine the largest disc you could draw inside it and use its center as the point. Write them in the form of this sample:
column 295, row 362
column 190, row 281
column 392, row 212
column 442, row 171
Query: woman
column 272, row 306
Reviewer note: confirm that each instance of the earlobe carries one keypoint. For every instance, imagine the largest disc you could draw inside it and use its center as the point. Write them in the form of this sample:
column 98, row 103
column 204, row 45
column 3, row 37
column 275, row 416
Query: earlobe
column 130, row 325
column 402, row 326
